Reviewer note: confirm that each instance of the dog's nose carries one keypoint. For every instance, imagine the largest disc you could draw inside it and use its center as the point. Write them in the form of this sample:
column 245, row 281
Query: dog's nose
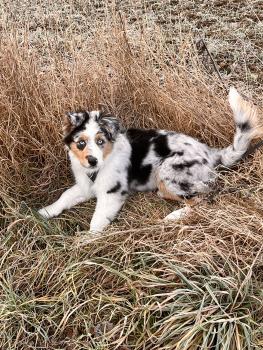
column 92, row 160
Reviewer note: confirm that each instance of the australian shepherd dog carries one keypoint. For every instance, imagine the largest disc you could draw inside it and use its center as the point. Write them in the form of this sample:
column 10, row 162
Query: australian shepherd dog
column 109, row 162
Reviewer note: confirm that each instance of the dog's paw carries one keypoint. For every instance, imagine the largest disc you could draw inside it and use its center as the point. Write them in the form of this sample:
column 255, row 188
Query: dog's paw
column 46, row 213
column 95, row 230
column 178, row 214
column 97, row 226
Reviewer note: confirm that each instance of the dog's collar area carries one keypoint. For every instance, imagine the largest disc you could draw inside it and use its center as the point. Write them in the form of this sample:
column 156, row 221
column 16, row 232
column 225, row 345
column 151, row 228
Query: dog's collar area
column 93, row 176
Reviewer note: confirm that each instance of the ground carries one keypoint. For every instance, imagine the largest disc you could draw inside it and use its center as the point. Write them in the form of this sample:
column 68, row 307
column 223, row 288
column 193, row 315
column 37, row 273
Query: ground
column 144, row 284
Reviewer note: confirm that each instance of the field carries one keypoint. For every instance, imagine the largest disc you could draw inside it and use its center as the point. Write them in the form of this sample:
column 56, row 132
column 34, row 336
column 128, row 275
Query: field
column 143, row 284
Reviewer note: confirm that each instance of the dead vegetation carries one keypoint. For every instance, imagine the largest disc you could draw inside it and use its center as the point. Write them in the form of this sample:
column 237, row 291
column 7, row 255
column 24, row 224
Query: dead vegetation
column 143, row 285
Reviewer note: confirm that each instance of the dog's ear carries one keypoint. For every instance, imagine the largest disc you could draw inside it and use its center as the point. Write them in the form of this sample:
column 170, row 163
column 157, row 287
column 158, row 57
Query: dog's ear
column 73, row 120
column 110, row 125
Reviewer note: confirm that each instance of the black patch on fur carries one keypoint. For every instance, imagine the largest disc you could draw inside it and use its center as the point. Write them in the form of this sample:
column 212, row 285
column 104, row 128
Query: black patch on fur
column 218, row 162
column 244, row 126
column 187, row 144
column 123, row 193
column 182, row 166
column 161, row 146
column 189, row 196
column 141, row 135
column 178, row 166
column 115, row 188
column 141, row 174
column 185, row 186
column 191, row 163
column 93, row 176
column 68, row 139
column 204, row 161
column 179, row 153
column 140, row 141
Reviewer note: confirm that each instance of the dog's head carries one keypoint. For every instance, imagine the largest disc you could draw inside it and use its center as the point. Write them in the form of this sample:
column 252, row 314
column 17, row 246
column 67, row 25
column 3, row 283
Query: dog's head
column 90, row 136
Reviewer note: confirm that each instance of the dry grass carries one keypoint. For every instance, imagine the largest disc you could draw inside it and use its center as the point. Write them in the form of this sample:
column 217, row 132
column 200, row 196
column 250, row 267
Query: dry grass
column 143, row 285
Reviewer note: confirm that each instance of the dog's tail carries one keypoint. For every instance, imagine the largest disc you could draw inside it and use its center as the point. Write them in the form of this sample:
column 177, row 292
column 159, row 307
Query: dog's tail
column 247, row 128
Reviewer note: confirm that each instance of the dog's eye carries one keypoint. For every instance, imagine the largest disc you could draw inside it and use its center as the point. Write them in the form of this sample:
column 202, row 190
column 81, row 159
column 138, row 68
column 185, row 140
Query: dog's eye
column 100, row 142
column 81, row 144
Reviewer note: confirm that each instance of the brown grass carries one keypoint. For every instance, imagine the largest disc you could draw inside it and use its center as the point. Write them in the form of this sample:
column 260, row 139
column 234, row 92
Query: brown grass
column 143, row 285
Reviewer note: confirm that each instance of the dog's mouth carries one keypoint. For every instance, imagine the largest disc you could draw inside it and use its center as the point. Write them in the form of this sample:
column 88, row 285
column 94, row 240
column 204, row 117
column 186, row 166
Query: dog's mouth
column 91, row 168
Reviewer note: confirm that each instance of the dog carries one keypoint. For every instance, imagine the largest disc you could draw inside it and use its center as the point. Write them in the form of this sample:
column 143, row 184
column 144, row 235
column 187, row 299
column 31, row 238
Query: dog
column 109, row 162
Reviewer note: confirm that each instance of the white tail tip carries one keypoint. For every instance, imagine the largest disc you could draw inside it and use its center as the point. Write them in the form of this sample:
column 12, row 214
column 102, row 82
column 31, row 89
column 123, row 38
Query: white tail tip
column 233, row 97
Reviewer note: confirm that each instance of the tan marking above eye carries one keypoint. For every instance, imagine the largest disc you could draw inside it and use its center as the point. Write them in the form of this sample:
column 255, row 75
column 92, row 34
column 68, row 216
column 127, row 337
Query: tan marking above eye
column 107, row 146
column 100, row 136
column 81, row 137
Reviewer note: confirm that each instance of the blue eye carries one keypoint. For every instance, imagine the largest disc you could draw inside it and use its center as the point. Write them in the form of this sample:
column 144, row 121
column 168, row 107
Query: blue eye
column 100, row 142
column 81, row 144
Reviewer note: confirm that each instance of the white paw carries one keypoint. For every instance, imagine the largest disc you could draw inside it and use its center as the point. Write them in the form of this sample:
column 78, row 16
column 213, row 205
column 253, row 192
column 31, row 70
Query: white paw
column 178, row 214
column 96, row 229
column 47, row 213
column 97, row 225
column 95, row 232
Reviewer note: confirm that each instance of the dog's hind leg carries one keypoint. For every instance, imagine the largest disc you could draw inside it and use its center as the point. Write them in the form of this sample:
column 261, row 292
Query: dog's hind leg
column 179, row 213
column 185, row 211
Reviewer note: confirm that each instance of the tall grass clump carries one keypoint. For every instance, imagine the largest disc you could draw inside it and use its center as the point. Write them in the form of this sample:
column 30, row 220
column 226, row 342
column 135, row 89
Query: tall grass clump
column 196, row 284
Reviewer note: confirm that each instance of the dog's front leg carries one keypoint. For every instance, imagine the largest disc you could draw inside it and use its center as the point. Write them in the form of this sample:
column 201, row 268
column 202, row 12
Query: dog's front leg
column 107, row 208
column 72, row 196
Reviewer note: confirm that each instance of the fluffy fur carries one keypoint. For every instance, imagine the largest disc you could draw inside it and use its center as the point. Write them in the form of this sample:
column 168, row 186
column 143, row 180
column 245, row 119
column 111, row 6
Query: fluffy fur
column 109, row 163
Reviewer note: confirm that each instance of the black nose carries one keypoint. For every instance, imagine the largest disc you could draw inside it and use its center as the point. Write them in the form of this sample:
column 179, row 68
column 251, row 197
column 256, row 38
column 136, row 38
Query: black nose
column 92, row 160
